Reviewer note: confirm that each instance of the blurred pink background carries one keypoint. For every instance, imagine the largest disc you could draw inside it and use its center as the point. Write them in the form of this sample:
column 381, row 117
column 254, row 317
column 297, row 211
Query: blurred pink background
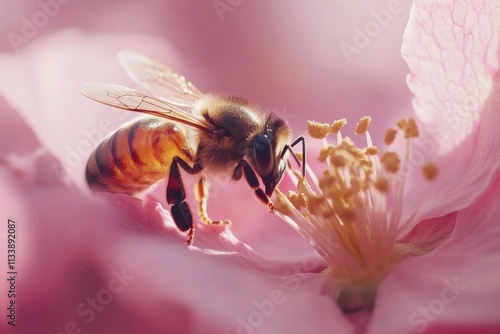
column 283, row 55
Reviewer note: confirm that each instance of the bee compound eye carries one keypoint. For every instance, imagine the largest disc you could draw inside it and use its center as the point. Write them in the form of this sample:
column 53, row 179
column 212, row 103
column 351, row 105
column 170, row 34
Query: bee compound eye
column 263, row 154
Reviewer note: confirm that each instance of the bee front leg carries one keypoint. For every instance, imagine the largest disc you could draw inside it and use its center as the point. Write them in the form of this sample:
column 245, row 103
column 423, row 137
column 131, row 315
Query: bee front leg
column 244, row 168
column 289, row 148
column 176, row 196
column 201, row 195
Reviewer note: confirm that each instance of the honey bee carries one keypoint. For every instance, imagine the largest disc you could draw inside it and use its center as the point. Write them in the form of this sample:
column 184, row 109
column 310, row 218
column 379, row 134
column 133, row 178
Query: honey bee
column 223, row 135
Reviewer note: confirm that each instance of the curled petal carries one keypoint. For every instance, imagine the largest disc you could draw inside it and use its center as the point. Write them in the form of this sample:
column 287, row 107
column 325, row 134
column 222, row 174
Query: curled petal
column 452, row 49
column 455, row 286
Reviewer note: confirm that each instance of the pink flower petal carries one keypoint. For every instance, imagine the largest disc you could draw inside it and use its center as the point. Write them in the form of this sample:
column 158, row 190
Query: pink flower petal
column 14, row 128
column 452, row 50
column 430, row 233
column 71, row 247
column 74, row 247
column 72, row 241
column 455, row 286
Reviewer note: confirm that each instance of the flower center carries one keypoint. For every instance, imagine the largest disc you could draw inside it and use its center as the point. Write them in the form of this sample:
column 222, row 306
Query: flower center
column 351, row 213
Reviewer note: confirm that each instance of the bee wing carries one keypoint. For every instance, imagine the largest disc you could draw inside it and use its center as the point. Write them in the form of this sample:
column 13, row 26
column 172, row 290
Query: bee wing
column 160, row 80
column 130, row 99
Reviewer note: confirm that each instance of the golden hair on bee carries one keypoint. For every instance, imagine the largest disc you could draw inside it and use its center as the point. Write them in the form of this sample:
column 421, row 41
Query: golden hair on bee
column 224, row 135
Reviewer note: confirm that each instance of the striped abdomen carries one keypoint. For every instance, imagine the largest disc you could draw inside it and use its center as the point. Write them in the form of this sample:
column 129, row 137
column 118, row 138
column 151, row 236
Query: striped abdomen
column 137, row 156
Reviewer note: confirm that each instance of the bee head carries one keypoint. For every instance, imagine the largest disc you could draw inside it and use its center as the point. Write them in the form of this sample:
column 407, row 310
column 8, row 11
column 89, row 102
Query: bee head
column 266, row 152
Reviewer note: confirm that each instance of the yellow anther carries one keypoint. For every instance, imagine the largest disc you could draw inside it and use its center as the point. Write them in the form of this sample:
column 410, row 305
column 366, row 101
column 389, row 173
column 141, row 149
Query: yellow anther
column 347, row 193
column 367, row 169
column 298, row 200
column 382, row 184
column 293, row 197
column 282, row 205
column 338, row 125
column 325, row 152
column 390, row 135
column 329, row 213
column 347, row 214
column 354, row 205
column 326, row 183
column 315, row 204
column 391, row 162
column 318, row 130
column 347, row 144
column 365, row 162
column 303, row 200
column 304, row 188
column 338, row 160
column 430, row 171
column 350, row 149
column 371, row 150
column 362, row 125
column 409, row 126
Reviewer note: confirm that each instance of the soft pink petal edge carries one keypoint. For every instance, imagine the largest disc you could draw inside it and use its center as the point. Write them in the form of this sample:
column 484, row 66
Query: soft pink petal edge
column 454, row 75
column 455, row 286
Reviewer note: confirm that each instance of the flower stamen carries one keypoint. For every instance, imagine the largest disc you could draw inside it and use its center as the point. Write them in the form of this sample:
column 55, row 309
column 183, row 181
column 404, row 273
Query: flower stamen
column 348, row 217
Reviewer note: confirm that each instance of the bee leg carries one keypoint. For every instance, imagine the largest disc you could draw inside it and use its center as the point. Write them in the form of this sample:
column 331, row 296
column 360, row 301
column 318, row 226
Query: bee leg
column 201, row 195
column 190, row 237
column 176, row 196
column 183, row 219
column 289, row 148
column 244, row 168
